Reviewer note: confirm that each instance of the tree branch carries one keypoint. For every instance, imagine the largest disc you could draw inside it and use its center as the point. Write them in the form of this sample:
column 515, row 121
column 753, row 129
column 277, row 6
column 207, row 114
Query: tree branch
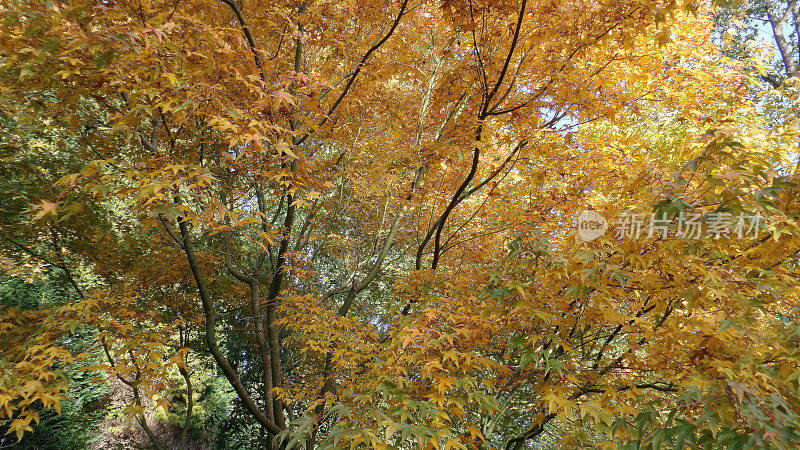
column 357, row 71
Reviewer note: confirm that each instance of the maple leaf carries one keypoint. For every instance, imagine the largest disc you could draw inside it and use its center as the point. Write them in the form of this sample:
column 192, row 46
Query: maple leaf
column 45, row 209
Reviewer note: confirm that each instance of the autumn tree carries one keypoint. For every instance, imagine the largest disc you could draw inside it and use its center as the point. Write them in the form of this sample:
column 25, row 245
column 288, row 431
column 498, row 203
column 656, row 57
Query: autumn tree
column 362, row 213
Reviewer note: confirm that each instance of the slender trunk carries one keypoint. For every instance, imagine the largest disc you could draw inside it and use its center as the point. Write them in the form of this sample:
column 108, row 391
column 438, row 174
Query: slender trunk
column 265, row 351
column 189, row 407
column 785, row 50
column 211, row 334
column 143, row 420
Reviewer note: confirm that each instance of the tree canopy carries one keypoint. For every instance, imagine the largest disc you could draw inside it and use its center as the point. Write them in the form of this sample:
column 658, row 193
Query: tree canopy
column 355, row 221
